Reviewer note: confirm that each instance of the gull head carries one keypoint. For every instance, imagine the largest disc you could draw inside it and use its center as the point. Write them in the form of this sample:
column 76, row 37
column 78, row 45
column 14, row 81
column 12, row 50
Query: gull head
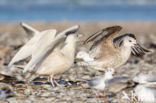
column 128, row 40
column 109, row 73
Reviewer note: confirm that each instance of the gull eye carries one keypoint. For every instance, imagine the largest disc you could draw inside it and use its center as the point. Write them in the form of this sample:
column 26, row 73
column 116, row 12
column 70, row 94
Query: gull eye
column 130, row 41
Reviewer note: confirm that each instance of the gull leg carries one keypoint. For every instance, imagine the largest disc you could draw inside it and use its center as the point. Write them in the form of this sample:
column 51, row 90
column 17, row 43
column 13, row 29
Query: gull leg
column 154, row 87
column 50, row 79
column 98, row 95
column 57, row 83
column 103, row 95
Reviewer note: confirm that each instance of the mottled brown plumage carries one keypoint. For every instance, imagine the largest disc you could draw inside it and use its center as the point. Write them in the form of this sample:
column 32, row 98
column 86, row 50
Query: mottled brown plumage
column 110, row 50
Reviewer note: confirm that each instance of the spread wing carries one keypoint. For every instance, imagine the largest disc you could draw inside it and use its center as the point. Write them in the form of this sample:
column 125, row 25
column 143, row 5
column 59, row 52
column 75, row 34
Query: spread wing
column 47, row 38
column 93, row 83
column 28, row 29
column 139, row 50
column 26, row 50
column 46, row 45
column 106, row 34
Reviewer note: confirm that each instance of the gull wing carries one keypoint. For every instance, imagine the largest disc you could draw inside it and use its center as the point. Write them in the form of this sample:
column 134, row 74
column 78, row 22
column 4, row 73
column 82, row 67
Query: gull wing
column 93, row 83
column 118, row 83
column 28, row 29
column 47, row 45
column 26, row 50
column 139, row 49
column 40, row 48
column 106, row 34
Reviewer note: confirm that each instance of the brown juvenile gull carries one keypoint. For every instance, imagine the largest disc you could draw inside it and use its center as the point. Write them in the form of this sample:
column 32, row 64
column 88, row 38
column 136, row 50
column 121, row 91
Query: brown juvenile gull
column 109, row 50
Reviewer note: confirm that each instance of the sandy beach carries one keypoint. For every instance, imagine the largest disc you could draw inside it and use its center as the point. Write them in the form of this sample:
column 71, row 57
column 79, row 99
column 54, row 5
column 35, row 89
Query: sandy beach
column 12, row 36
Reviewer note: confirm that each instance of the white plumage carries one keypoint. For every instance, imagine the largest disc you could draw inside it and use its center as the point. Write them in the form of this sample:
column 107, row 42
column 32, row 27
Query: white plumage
column 145, row 94
column 84, row 55
column 100, row 83
column 26, row 50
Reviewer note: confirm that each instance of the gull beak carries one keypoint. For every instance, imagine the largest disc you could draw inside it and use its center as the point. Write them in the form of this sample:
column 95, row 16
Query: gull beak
column 115, row 73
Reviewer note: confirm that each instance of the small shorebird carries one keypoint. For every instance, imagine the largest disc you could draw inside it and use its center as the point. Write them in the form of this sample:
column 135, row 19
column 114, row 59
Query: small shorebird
column 113, row 84
column 100, row 83
column 111, row 51
column 32, row 45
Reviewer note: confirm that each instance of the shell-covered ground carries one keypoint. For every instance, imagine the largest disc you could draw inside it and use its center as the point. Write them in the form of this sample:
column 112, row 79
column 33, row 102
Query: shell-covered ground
column 26, row 88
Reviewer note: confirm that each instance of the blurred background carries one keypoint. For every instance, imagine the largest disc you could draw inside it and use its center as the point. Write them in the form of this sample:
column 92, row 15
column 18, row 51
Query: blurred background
column 77, row 10
column 135, row 16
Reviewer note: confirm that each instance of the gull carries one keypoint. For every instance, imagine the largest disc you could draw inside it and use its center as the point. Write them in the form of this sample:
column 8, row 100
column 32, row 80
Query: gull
column 59, row 60
column 46, row 45
column 145, row 94
column 111, row 84
column 110, row 50
column 47, row 57
column 29, row 48
column 100, row 83
column 52, row 55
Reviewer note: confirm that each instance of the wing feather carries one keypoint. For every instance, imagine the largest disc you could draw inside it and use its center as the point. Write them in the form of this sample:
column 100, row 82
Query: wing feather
column 28, row 29
column 49, row 44
column 106, row 34
column 26, row 50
